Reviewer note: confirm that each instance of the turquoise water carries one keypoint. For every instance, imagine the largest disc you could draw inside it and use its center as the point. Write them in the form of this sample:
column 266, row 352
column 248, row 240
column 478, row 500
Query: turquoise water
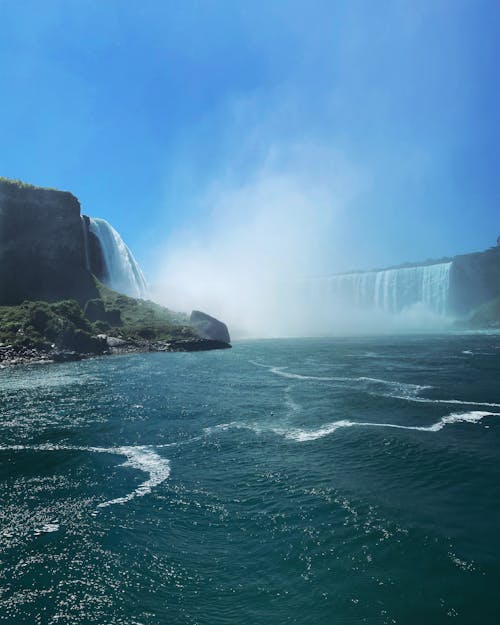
column 294, row 481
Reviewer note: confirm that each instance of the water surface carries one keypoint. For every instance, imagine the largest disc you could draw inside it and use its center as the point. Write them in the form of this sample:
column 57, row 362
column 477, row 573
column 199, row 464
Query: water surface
column 294, row 481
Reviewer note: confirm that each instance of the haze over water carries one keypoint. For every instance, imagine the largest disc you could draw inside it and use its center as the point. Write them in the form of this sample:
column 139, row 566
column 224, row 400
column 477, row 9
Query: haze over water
column 308, row 481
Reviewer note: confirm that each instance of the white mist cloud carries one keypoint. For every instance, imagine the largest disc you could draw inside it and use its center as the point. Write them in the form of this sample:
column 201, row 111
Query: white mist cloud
column 243, row 261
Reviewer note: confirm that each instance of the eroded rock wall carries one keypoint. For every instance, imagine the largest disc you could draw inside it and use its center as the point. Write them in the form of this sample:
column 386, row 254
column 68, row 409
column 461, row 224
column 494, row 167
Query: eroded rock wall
column 474, row 280
column 42, row 252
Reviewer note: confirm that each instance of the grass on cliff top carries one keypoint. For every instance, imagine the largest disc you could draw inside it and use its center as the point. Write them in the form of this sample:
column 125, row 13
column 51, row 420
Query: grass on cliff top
column 23, row 185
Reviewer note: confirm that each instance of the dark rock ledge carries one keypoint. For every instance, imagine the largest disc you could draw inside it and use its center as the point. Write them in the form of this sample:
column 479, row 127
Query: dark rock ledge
column 15, row 355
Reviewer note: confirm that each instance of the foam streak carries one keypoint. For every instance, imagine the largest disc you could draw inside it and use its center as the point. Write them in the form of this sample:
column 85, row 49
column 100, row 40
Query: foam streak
column 142, row 458
column 301, row 435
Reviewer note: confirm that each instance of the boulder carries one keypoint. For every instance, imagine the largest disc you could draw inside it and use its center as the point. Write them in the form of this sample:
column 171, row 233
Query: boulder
column 114, row 341
column 209, row 327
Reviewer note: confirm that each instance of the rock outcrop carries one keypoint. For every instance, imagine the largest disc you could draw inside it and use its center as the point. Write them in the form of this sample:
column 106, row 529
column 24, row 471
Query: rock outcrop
column 42, row 249
column 209, row 327
column 95, row 258
column 474, row 280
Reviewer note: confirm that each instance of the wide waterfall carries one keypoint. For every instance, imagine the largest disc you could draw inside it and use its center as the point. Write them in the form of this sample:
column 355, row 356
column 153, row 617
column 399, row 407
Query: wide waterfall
column 122, row 272
column 391, row 290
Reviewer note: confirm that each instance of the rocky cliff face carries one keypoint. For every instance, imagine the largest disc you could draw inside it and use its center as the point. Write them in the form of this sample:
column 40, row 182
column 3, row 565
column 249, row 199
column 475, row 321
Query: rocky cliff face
column 95, row 258
column 42, row 251
column 474, row 280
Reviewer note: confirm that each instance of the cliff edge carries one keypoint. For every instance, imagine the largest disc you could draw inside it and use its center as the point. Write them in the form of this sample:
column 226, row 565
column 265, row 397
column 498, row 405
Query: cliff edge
column 42, row 250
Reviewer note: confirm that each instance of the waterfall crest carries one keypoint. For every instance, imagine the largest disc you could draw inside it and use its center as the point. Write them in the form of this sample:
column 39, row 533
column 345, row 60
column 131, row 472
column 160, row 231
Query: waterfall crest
column 391, row 290
column 122, row 272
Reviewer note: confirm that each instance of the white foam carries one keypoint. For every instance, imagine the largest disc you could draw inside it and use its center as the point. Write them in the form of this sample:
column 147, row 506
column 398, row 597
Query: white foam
column 466, row 417
column 286, row 374
column 417, row 387
column 292, row 405
column 297, row 376
column 412, row 390
column 281, row 371
column 302, row 435
column 186, row 441
column 146, row 460
column 143, row 458
column 460, row 402
column 232, row 425
column 47, row 528
column 260, row 364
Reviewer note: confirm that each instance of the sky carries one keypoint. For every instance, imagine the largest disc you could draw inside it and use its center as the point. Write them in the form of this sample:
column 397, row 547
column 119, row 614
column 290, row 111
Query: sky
column 306, row 136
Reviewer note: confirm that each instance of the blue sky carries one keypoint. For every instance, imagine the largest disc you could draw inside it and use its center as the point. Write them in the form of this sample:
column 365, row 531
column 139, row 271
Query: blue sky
column 155, row 112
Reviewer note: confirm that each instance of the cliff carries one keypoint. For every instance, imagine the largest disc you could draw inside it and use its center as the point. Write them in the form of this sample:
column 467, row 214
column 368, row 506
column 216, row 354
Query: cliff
column 474, row 280
column 486, row 316
column 52, row 307
column 42, row 250
column 95, row 258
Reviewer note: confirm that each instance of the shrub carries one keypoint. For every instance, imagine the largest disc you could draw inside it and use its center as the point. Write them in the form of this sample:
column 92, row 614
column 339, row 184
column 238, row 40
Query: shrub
column 94, row 310
column 101, row 327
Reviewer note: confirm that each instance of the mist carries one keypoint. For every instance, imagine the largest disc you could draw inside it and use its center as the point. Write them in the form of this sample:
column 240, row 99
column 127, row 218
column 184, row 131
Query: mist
column 257, row 238
column 249, row 259
column 347, row 158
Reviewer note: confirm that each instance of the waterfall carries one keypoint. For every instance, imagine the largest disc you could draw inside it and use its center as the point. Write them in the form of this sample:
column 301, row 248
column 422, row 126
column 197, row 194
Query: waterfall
column 123, row 273
column 390, row 290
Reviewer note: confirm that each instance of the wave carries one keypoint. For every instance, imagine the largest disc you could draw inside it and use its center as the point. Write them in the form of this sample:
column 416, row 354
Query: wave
column 466, row 417
column 427, row 400
column 286, row 374
column 281, row 371
column 412, row 390
column 178, row 443
column 143, row 458
column 297, row 376
column 302, row 435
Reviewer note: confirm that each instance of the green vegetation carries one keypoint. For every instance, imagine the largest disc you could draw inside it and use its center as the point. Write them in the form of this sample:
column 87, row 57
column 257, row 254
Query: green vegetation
column 65, row 326
column 43, row 325
column 139, row 318
column 23, row 185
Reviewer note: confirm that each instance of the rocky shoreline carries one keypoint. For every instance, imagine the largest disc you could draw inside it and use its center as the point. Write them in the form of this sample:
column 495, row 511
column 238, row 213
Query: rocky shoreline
column 16, row 355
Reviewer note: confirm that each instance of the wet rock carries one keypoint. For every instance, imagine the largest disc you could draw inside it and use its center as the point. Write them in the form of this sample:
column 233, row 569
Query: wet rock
column 63, row 356
column 209, row 327
column 114, row 341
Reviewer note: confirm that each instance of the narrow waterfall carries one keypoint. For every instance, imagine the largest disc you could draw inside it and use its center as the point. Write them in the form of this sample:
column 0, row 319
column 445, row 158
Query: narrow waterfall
column 389, row 290
column 123, row 273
